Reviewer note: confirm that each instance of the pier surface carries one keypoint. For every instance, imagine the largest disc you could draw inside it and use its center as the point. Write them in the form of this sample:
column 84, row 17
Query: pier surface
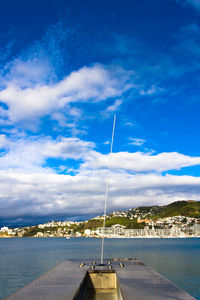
column 136, row 280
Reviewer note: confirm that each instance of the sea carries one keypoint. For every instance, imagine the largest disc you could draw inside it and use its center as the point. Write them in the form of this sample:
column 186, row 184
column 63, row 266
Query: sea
column 24, row 259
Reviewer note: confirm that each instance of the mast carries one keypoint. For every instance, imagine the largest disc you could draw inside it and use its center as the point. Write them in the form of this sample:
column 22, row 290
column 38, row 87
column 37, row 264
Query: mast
column 107, row 187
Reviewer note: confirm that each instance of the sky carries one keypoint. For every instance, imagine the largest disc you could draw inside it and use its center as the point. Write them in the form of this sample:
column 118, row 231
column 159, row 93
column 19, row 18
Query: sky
column 66, row 68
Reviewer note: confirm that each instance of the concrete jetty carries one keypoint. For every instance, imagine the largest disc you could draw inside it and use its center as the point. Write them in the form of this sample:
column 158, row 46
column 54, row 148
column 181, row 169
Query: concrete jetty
column 117, row 279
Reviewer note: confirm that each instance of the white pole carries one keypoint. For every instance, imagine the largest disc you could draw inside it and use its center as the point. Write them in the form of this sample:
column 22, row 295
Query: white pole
column 107, row 186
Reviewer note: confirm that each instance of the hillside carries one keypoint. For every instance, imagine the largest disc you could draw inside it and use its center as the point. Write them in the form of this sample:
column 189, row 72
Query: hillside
column 188, row 208
column 181, row 208
column 130, row 217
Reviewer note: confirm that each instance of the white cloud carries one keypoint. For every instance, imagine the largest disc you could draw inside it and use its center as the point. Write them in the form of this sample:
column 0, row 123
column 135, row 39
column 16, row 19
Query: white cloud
column 28, row 187
column 31, row 154
column 3, row 141
column 141, row 162
column 28, row 73
column 136, row 141
column 115, row 106
column 92, row 84
column 39, row 194
column 151, row 91
column 65, row 148
column 130, row 124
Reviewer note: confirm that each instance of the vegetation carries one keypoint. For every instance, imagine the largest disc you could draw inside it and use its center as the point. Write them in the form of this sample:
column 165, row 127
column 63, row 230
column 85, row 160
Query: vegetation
column 31, row 231
column 181, row 208
column 130, row 224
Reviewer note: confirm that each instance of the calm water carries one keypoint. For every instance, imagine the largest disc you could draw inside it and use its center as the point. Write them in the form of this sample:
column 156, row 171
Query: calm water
column 24, row 259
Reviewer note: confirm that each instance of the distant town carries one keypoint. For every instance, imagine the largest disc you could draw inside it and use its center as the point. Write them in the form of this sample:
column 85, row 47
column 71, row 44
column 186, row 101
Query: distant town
column 177, row 220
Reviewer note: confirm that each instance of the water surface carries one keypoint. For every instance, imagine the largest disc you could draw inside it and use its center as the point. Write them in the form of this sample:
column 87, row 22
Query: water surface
column 24, row 259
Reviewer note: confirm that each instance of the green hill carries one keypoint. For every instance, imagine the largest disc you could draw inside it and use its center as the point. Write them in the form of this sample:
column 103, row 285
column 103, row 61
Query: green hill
column 181, row 208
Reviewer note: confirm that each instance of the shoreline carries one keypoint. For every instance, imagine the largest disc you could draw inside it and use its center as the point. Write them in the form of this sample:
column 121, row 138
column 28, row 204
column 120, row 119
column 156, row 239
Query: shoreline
column 107, row 237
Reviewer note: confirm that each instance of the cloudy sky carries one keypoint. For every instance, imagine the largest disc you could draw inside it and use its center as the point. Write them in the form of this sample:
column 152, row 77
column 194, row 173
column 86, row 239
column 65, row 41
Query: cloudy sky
column 66, row 67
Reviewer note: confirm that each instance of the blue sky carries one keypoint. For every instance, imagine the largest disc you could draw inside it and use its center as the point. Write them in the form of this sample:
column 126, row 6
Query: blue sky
column 66, row 67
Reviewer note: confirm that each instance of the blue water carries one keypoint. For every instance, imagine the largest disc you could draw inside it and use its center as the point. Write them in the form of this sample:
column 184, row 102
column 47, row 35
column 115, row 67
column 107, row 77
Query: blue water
column 24, row 259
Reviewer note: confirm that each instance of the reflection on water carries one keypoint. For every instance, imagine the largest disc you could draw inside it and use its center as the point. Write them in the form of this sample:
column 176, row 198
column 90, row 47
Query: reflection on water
column 24, row 259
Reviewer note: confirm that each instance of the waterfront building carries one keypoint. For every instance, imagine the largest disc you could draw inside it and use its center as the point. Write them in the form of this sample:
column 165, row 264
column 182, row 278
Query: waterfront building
column 39, row 234
column 196, row 229
column 120, row 231
column 87, row 232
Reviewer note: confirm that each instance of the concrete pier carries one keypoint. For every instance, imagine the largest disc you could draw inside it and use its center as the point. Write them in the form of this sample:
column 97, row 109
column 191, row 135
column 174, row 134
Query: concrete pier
column 117, row 279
